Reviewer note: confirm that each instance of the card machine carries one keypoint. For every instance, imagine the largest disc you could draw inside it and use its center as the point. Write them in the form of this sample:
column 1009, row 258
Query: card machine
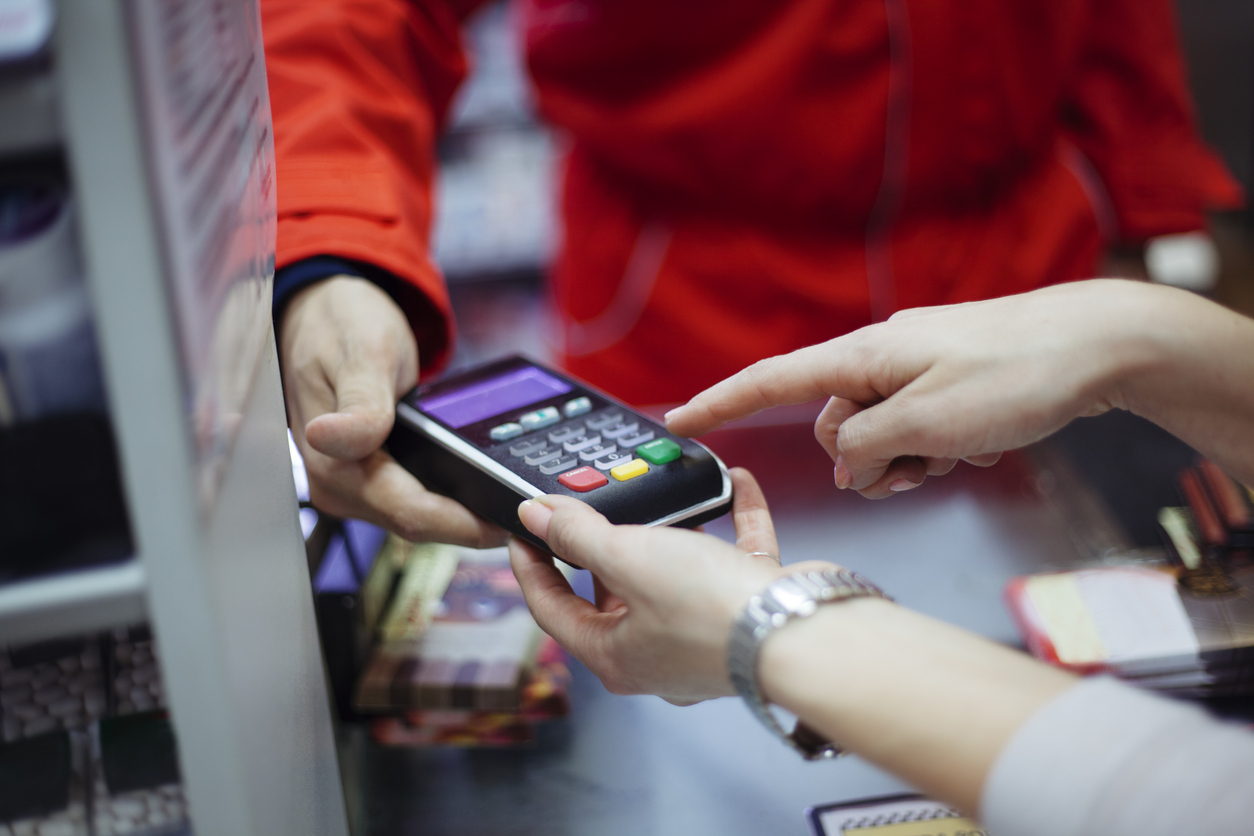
column 513, row 429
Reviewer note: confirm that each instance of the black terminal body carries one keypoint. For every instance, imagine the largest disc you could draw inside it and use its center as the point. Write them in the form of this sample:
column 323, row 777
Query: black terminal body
column 511, row 430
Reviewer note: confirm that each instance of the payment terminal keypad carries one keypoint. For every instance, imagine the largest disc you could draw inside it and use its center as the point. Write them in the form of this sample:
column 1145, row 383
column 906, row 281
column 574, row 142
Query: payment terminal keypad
column 609, row 418
column 544, row 455
column 506, row 431
column 560, row 436
column 558, row 465
column 612, row 460
column 597, row 451
column 580, row 443
column 586, row 446
column 527, row 446
column 635, row 439
column 538, row 419
column 619, row 429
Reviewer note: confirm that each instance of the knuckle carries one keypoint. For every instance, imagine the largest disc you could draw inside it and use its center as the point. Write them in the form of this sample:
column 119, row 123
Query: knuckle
column 326, row 500
column 851, row 438
column 826, row 430
column 560, row 536
column 308, row 363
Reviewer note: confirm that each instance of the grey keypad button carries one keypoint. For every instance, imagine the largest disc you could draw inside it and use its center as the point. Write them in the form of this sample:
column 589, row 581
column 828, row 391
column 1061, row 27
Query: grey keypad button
column 597, row 451
column 613, row 460
column 565, row 463
column 606, row 419
column 581, row 442
column 543, row 456
column 505, row 432
column 620, row 430
column 561, row 434
column 540, row 419
column 633, row 440
column 576, row 407
column 531, row 445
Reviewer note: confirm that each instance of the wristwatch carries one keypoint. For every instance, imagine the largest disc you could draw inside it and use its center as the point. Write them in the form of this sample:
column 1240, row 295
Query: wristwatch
column 795, row 596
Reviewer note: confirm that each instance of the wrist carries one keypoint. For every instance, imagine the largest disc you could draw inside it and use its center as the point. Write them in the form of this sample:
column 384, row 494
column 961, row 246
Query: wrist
column 333, row 285
column 801, row 594
column 1117, row 334
column 1160, row 340
column 789, row 657
column 342, row 299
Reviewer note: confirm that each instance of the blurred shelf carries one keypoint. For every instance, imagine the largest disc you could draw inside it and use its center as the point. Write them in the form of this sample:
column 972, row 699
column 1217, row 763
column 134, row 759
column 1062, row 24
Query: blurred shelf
column 76, row 602
column 28, row 115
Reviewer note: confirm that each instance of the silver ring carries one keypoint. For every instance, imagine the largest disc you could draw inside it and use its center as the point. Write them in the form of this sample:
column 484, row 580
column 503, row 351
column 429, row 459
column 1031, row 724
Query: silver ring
column 766, row 554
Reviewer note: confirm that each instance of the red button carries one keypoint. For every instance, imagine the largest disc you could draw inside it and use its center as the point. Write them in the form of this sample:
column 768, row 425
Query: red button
column 583, row 479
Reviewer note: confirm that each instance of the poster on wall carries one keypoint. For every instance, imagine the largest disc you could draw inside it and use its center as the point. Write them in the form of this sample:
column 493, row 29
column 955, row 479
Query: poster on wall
column 206, row 113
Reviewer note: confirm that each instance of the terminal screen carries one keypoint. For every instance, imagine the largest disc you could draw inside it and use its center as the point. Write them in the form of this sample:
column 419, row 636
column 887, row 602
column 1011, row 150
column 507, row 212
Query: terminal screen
column 486, row 398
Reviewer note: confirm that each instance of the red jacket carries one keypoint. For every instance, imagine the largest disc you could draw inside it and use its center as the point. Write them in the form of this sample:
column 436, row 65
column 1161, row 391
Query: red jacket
column 746, row 177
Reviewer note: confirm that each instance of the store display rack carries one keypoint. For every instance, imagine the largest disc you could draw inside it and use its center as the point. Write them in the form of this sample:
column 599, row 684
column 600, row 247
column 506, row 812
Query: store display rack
column 71, row 603
column 223, row 583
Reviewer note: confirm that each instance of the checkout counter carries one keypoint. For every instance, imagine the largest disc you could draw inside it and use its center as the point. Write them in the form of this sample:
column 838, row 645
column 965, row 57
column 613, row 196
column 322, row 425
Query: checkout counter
column 631, row 765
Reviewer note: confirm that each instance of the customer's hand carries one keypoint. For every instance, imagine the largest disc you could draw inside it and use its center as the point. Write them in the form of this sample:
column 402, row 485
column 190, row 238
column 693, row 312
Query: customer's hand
column 347, row 355
column 911, row 396
column 666, row 598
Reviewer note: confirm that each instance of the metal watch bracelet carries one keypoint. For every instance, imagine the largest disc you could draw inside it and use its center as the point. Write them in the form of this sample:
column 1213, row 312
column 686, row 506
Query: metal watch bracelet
column 795, row 596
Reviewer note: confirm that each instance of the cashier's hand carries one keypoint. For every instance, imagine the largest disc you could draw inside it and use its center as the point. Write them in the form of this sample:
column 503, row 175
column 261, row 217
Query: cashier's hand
column 911, row 396
column 348, row 354
column 666, row 597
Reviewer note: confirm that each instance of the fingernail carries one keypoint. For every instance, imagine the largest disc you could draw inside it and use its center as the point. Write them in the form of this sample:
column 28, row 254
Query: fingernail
column 899, row 485
column 844, row 476
column 666, row 419
column 535, row 516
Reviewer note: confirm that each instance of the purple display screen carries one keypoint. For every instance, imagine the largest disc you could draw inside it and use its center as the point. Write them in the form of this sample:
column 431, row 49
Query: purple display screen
column 486, row 398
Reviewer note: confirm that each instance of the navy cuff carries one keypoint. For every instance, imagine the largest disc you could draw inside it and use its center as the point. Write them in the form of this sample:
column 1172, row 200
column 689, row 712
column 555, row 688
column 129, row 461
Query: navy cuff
column 301, row 274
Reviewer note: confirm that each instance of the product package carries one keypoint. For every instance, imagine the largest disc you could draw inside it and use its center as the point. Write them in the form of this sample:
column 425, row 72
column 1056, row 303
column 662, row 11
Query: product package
column 475, row 654
column 1141, row 624
column 1184, row 625
column 467, row 667
column 895, row 815
column 1214, row 529
column 544, row 697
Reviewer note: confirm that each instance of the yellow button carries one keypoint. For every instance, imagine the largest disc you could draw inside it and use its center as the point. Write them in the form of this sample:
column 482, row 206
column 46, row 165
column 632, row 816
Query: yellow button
column 633, row 468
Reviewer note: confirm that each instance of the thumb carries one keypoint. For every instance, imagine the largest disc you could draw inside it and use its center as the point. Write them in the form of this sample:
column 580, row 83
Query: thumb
column 575, row 532
column 868, row 441
column 364, row 411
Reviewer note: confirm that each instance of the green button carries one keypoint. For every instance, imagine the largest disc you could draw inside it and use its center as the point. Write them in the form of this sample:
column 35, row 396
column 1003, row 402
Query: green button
column 660, row 451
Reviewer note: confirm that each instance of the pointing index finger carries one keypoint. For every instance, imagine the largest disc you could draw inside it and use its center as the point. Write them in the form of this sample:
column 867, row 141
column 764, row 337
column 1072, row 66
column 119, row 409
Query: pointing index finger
column 805, row 375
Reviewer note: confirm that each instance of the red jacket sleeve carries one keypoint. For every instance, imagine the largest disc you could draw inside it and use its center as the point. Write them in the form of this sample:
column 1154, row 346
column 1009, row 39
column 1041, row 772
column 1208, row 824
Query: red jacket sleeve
column 1132, row 116
column 358, row 89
